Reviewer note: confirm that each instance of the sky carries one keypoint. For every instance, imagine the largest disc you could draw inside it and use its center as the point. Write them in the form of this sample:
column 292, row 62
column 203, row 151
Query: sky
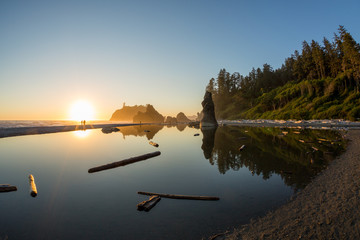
column 54, row 53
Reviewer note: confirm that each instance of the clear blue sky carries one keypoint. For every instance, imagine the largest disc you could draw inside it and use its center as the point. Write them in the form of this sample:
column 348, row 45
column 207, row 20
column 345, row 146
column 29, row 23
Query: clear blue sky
column 160, row 52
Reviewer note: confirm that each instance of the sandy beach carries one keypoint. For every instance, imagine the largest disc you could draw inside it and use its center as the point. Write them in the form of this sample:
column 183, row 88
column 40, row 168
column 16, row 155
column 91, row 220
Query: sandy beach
column 328, row 208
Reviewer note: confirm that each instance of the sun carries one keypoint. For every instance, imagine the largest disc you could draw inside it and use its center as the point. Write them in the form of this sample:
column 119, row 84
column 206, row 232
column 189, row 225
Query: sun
column 81, row 110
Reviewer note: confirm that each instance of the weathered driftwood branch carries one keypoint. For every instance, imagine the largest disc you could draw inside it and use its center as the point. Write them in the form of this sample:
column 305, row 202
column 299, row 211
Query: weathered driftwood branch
column 33, row 190
column 7, row 188
column 124, row 162
column 148, row 204
column 154, row 144
column 181, row 196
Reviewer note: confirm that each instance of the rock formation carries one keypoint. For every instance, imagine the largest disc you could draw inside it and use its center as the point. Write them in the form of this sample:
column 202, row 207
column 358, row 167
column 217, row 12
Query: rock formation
column 208, row 119
column 181, row 118
column 149, row 116
column 127, row 113
column 170, row 120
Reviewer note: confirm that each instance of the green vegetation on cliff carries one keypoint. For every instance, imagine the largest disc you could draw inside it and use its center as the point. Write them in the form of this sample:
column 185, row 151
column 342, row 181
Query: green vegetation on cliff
column 321, row 82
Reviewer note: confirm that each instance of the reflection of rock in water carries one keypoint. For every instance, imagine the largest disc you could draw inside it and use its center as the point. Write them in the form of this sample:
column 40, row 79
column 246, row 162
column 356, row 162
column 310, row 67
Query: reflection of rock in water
column 208, row 141
column 139, row 130
column 181, row 127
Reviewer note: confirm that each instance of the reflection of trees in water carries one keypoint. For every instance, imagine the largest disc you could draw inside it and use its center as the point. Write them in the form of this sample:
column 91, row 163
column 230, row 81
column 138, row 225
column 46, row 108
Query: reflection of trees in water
column 290, row 153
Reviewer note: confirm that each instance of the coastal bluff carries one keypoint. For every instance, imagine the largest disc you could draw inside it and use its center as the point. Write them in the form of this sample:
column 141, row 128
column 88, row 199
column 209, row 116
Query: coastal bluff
column 127, row 113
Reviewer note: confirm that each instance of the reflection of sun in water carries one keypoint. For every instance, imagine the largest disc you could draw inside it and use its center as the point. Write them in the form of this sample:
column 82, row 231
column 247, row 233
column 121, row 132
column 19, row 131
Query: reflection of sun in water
column 81, row 133
column 81, row 110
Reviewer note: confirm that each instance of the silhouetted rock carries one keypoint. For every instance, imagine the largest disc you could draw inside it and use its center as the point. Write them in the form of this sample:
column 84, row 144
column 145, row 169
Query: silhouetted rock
column 149, row 116
column 170, row 120
column 127, row 113
column 181, row 118
column 208, row 119
column 107, row 130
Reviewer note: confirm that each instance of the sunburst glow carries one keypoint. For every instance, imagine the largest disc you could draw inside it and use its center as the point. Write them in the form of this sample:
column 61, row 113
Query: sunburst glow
column 82, row 110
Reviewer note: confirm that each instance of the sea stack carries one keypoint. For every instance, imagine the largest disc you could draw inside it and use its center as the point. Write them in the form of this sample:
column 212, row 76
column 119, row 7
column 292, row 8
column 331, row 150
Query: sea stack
column 208, row 119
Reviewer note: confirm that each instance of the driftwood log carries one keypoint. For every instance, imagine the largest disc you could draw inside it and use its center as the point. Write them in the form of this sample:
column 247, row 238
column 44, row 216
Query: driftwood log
column 124, row 162
column 33, row 190
column 154, row 144
column 148, row 204
column 173, row 196
column 7, row 188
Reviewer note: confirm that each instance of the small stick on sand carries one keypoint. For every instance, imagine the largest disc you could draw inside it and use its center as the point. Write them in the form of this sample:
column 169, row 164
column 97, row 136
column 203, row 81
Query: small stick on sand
column 33, row 190
column 173, row 196
column 124, row 162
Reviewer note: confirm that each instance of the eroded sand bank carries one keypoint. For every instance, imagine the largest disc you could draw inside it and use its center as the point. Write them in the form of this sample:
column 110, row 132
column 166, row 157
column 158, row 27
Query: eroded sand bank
column 328, row 208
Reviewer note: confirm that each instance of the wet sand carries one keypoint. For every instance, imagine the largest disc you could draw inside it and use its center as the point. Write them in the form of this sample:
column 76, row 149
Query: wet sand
column 328, row 208
column 12, row 132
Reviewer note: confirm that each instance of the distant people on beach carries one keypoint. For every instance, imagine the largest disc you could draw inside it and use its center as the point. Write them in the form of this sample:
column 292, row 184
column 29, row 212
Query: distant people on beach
column 83, row 123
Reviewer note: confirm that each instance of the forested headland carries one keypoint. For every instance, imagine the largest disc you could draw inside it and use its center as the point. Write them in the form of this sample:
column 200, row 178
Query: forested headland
column 319, row 82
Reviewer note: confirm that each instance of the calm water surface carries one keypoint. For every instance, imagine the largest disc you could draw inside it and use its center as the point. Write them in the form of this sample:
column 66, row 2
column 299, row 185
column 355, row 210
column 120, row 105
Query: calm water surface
column 73, row 204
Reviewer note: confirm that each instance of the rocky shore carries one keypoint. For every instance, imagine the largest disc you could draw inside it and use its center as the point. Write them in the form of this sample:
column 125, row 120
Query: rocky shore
column 335, row 123
column 328, row 208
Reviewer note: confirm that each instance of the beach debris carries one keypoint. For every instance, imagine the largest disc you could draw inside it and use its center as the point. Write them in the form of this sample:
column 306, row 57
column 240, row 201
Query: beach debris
column 154, row 144
column 175, row 196
column 7, row 188
column 242, row 147
column 124, row 162
column 33, row 190
column 315, row 149
column 148, row 204
column 196, row 134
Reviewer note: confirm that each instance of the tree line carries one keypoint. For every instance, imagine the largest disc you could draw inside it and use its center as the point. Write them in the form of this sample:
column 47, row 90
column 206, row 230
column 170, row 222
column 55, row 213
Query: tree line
column 234, row 93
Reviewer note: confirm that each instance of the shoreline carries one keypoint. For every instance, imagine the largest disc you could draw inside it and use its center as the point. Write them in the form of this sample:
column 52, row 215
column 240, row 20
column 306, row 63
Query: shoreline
column 312, row 124
column 22, row 131
column 316, row 124
column 327, row 208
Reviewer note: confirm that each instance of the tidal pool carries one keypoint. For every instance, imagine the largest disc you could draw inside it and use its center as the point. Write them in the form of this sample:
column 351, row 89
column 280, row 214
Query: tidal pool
column 74, row 204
